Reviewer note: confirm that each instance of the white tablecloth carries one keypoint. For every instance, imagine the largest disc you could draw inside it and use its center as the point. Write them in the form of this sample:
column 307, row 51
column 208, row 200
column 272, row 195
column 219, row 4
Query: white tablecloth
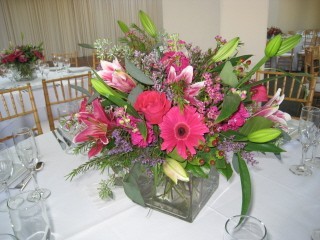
column 289, row 205
column 6, row 127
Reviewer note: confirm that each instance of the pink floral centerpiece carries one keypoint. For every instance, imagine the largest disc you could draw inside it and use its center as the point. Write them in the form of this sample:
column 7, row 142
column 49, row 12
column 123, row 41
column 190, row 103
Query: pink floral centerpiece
column 176, row 112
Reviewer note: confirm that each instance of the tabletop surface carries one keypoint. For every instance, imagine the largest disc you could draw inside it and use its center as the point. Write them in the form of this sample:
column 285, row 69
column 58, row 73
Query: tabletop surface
column 289, row 205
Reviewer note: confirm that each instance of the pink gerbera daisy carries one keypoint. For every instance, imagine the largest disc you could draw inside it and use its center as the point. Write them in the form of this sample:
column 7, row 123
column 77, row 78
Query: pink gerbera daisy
column 183, row 130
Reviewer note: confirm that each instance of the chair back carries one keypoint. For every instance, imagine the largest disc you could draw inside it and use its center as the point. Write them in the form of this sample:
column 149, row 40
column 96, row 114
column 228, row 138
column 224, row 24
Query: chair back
column 298, row 88
column 73, row 56
column 95, row 61
column 19, row 102
column 312, row 59
column 63, row 90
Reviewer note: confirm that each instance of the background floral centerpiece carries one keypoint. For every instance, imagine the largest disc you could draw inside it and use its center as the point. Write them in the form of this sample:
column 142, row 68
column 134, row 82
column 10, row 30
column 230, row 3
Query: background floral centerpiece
column 167, row 111
column 21, row 59
column 273, row 31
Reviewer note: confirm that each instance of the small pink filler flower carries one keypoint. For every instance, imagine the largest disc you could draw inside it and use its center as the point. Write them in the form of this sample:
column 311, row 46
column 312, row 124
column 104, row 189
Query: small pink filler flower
column 183, row 130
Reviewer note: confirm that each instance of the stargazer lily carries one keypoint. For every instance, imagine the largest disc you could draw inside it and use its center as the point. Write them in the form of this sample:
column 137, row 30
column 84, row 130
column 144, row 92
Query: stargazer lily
column 115, row 76
column 186, row 75
column 175, row 171
column 271, row 110
column 98, row 125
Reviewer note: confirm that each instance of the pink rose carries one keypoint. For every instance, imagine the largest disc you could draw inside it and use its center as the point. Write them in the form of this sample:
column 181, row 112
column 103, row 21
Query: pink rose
column 259, row 93
column 153, row 105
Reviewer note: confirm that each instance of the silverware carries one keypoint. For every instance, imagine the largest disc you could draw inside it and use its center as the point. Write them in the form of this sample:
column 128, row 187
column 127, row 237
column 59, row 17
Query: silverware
column 62, row 144
column 65, row 139
column 39, row 166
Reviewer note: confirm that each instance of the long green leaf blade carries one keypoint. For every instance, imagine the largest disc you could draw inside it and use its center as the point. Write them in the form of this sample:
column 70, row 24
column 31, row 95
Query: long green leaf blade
column 245, row 185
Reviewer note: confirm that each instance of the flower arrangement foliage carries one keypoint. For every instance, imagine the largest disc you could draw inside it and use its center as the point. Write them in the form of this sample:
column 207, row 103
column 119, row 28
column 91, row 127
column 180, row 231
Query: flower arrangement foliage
column 21, row 57
column 177, row 110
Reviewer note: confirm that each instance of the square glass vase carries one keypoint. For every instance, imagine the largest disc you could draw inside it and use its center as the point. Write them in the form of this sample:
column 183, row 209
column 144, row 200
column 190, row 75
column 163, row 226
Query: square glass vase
column 183, row 200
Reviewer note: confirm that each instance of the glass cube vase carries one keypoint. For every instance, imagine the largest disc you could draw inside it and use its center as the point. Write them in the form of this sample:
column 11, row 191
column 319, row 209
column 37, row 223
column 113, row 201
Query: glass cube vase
column 183, row 200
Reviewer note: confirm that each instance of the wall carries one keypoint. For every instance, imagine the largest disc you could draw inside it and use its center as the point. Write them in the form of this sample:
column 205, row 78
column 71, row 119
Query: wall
column 200, row 23
column 294, row 14
column 195, row 22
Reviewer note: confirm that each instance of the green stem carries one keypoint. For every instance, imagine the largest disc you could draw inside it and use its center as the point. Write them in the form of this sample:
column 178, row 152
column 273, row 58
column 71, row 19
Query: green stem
column 253, row 71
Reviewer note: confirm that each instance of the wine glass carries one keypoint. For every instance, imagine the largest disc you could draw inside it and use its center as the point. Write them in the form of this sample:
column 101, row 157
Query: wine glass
column 309, row 117
column 67, row 64
column 27, row 151
column 46, row 70
column 6, row 169
column 55, row 61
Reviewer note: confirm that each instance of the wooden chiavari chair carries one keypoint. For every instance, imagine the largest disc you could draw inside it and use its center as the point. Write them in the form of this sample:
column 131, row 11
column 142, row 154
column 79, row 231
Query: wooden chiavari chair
column 298, row 89
column 19, row 102
column 63, row 90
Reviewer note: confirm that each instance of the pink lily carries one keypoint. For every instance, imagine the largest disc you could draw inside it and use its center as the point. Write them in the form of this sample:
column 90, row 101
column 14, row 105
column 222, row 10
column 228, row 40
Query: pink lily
column 115, row 76
column 186, row 75
column 271, row 110
column 98, row 126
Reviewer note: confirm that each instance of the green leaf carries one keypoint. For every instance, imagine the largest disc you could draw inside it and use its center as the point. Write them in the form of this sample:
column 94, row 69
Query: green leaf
column 131, row 186
column 227, row 75
column 136, row 73
column 124, row 28
column 132, row 97
column 245, row 185
column 199, row 171
column 235, row 163
column 255, row 123
column 86, row 45
column 80, row 89
column 263, row 147
column 227, row 171
column 143, row 129
column 229, row 106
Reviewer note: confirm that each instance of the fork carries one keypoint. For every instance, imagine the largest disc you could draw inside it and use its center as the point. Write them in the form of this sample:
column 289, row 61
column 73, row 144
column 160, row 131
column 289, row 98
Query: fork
column 62, row 144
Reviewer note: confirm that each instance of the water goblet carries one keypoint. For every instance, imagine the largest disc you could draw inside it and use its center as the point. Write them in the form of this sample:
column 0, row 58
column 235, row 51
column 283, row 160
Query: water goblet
column 66, row 64
column 55, row 61
column 66, row 113
column 6, row 169
column 307, row 132
column 241, row 227
column 46, row 70
column 27, row 152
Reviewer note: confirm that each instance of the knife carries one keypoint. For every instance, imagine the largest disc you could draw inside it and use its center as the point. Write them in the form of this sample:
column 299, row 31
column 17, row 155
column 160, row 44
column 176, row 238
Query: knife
column 67, row 141
column 62, row 144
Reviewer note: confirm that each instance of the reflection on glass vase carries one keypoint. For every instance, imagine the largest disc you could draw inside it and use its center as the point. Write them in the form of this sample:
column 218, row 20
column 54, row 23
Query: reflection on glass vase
column 23, row 72
column 183, row 200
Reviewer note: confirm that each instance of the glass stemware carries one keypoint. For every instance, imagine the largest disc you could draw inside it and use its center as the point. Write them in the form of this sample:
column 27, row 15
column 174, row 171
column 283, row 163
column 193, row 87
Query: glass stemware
column 67, row 64
column 55, row 62
column 309, row 118
column 27, row 151
column 46, row 70
column 6, row 170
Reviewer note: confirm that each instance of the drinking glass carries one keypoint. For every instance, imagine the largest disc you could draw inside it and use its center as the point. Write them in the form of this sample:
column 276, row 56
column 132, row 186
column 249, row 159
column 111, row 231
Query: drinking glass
column 307, row 131
column 29, row 219
column 66, row 64
column 244, row 227
column 66, row 113
column 27, row 151
column 46, row 70
column 7, row 236
column 55, row 61
column 6, row 169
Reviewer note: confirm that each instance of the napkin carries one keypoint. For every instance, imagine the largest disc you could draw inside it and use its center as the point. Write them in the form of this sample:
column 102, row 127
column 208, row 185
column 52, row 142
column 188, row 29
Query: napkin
column 78, row 69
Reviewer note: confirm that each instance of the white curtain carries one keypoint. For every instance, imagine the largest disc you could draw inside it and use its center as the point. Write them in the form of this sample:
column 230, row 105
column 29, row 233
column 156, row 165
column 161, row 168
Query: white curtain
column 62, row 24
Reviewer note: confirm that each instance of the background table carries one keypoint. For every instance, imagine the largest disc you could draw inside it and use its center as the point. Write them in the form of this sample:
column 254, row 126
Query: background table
column 6, row 127
column 289, row 205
